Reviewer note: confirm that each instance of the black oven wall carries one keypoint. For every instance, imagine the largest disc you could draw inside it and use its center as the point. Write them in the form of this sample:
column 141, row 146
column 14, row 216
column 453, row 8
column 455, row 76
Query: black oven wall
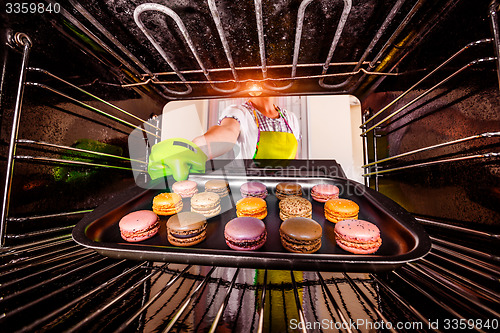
column 464, row 190
column 48, row 195
column 56, row 115
column 432, row 146
column 437, row 140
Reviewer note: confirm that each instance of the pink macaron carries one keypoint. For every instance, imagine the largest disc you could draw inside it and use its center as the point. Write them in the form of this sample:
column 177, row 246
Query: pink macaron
column 357, row 236
column 324, row 192
column 138, row 226
column 245, row 233
column 185, row 188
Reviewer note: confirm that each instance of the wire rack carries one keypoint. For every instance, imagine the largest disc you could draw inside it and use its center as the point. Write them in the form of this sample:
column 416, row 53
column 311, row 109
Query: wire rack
column 372, row 125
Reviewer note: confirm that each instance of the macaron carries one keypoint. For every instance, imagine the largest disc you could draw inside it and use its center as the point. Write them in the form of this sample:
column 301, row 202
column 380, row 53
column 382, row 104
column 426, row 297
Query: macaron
column 341, row 209
column 245, row 233
column 284, row 190
column 185, row 188
column 295, row 206
column 324, row 192
column 253, row 207
column 253, row 189
column 219, row 186
column 167, row 204
column 206, row 203
column 186, row 229
column 301, row 235
column 138, row 226
column 358, row 236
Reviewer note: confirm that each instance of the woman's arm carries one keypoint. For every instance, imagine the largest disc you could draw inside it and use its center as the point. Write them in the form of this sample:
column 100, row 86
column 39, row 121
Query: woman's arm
column 219, row 139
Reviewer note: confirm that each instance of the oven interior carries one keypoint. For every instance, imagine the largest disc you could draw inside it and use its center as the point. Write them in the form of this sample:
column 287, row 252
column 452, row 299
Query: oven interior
column 76, row 80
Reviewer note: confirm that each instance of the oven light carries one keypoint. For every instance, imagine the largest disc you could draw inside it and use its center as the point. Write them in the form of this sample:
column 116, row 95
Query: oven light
column 254, row 89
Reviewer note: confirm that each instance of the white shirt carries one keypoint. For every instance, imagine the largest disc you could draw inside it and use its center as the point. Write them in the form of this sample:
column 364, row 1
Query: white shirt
column 247, row 139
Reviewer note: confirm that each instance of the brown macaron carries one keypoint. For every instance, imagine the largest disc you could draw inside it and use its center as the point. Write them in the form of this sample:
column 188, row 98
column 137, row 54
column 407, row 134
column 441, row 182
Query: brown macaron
column 301, row 235
column 294, row 206
column 284, row 190
column 341, row 209
column 186, row 229
column 219, row 186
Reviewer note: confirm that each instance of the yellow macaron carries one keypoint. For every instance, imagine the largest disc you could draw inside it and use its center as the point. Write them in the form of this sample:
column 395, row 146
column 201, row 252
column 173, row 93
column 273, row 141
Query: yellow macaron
column 167, row 204
column 341, row 209
column 251, row 207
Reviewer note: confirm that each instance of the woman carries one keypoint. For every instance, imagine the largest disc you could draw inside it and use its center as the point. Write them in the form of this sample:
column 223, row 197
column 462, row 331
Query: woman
column 260, row 128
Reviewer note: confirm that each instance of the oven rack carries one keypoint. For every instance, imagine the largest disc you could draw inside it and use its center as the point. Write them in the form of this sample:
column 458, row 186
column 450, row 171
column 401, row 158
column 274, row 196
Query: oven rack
column 152, row 131
column 370, row 124
column 92, row 108
column 424, row 279
column 431, row 73
column 455, row 271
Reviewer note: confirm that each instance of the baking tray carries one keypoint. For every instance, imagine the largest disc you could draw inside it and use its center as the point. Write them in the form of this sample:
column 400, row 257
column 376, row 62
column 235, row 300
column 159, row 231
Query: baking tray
column 403, row 239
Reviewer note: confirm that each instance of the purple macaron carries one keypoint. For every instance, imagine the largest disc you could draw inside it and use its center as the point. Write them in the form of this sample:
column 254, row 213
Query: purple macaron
column 245, row 233
column 253, row 189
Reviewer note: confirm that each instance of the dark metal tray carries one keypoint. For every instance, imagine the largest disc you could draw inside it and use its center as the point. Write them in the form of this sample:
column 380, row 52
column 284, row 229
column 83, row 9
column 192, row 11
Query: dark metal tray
column 403, row 239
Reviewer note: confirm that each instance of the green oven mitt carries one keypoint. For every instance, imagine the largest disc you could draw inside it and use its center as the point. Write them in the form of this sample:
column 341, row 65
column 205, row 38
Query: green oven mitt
column 176, row 157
